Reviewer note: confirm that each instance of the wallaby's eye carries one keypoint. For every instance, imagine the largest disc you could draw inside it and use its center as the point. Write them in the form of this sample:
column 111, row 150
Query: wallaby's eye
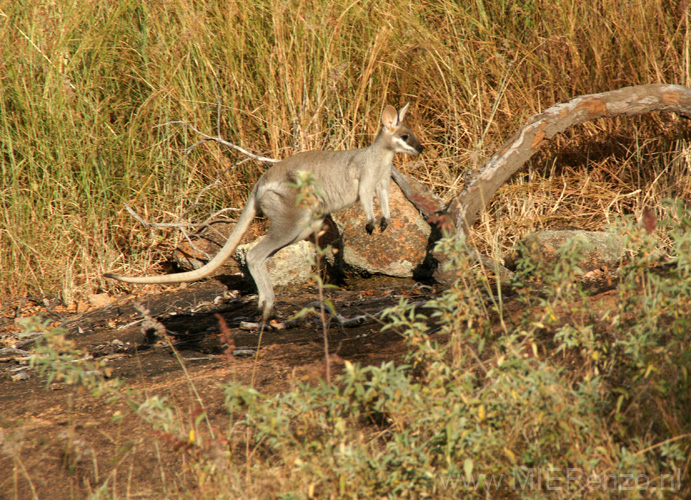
column 404, row 137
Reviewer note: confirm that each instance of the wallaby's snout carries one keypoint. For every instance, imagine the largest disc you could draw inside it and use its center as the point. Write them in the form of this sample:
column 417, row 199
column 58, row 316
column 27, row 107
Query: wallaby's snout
column 419, row 148
column 404, row 141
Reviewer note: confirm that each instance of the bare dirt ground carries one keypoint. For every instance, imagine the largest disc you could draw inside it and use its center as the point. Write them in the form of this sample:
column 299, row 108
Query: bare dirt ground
column 59, row 442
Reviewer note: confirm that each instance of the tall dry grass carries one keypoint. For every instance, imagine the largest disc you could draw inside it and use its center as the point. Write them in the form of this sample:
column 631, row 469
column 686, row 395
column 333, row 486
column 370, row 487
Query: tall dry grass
column 84, row 83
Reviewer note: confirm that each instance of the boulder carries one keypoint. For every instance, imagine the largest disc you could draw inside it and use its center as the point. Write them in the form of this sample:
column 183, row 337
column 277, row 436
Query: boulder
column 600, row 250
column 398, row 251
column 291, row 265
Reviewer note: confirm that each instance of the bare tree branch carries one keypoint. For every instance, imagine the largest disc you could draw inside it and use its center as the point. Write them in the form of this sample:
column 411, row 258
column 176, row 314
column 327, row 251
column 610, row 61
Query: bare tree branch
column 430, row 206
column 417, row 194
column 515, row 152
column 218, row 139
column 164, row 225
column 205, row 138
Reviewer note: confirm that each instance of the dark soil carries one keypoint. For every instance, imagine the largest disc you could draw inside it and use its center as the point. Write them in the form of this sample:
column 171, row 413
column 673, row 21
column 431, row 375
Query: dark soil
column 58, row 441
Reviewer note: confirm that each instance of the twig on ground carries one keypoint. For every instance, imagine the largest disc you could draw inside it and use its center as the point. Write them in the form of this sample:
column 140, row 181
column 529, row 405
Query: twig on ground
column 151, row 327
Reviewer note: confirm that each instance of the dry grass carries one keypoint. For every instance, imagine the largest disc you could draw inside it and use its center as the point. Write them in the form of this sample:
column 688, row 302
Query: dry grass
column 590, row 177
column 84, row 85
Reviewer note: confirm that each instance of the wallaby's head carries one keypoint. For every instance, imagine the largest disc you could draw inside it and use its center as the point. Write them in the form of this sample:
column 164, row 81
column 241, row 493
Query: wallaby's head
column 399, row 137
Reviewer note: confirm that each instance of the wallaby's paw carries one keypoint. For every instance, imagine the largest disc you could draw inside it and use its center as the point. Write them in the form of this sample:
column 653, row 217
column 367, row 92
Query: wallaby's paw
column 369, row 227
column 384, row 224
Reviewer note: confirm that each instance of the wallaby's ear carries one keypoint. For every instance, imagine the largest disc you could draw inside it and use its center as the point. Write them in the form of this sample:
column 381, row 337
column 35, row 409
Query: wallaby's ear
column 401, row 113
column 389, row 118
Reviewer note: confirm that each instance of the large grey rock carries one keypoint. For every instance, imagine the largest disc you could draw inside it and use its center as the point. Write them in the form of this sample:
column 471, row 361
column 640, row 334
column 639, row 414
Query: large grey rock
column 600, row 249
column 291, row 265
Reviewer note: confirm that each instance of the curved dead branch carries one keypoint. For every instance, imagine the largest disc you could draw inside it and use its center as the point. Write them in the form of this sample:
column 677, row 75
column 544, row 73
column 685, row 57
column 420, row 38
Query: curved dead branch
column 513, row 154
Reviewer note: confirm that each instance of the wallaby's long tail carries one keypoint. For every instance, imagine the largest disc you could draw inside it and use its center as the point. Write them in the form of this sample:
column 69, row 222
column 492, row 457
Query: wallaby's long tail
column 243, row 223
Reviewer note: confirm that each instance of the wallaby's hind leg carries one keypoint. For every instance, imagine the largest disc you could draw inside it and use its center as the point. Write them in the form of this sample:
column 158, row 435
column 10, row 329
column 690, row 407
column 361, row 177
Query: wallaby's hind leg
column 282, row 232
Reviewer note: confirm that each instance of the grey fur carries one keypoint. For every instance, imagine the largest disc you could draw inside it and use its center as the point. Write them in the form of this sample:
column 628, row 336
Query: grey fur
column 343, row 177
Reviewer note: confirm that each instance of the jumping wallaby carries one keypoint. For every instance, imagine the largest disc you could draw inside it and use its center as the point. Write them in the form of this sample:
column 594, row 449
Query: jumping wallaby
column 342, row 177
